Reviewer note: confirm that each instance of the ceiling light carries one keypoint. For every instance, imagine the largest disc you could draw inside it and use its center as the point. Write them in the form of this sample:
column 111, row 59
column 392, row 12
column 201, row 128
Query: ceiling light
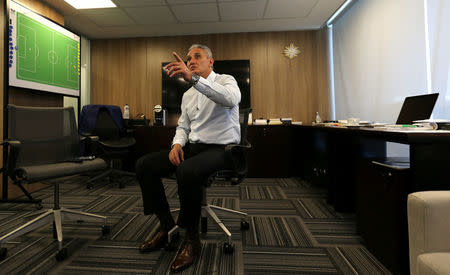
column 91, row 4
column 338, row 12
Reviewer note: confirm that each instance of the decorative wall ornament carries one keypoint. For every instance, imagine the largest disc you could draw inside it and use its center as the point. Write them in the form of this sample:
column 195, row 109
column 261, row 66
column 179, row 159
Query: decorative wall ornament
column 291, row 51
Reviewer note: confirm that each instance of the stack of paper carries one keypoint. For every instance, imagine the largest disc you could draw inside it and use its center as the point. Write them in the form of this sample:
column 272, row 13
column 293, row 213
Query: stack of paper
column 286, row 120
column 275, row 121
column 260, row 122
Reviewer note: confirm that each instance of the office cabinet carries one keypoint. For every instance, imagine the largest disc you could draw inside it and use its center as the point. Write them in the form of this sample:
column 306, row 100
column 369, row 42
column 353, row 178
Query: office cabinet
column 272, row 151
column 381, row 193
column 311, row 155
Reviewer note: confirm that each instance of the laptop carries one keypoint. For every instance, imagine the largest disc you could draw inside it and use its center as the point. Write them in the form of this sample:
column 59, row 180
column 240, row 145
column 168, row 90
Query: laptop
column 417, row 108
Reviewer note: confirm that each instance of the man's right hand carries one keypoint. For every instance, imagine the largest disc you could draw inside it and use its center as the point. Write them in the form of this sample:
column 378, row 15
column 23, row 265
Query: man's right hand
column 176, row 155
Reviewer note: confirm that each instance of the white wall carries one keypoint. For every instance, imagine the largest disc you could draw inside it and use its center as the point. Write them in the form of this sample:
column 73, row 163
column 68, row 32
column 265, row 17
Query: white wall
column 379, row 58
column 439, row 37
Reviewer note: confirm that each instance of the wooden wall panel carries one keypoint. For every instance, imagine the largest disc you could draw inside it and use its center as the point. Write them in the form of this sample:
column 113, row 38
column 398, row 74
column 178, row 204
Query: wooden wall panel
column 279, row 87
column 119, row 68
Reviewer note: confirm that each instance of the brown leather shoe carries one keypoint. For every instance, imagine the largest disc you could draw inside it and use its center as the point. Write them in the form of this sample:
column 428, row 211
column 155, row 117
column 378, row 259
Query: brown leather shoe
column 186, row 256
column 158, row 241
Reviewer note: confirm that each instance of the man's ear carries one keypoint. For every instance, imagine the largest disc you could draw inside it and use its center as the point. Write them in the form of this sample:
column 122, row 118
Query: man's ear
column 211, row 62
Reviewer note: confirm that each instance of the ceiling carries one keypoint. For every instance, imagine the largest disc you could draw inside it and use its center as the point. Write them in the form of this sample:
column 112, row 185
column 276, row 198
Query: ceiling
column 144, row 18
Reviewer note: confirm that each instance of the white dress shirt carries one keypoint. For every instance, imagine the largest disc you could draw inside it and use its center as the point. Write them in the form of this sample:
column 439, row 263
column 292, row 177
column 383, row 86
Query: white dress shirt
column 210, row 112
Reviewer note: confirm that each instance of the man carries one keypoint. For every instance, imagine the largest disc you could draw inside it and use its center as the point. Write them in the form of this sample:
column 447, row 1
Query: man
column 209, row 121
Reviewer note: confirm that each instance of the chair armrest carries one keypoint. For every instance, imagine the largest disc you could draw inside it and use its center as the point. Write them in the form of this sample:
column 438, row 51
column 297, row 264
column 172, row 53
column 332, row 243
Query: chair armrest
column 88, row 136
column 10, row 142
column 10, row 164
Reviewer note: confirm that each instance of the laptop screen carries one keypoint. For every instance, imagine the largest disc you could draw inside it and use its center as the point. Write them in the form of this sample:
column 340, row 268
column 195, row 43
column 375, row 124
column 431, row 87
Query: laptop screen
column 416, row 108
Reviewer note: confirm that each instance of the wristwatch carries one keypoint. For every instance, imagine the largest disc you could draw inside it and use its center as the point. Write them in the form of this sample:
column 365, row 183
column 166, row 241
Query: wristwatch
column 195, row 78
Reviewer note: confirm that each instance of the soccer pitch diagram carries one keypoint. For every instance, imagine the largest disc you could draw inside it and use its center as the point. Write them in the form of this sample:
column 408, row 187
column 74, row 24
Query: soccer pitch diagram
column 46, row 56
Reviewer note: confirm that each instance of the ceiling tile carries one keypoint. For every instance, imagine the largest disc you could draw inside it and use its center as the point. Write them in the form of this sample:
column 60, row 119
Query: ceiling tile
column 151, row 15
column 107, row 17
column 243, row 10
column 139, row 3
column 191, row 13
column 82, row 25
column 149, row 21
column 289, row 8
column 183, row 2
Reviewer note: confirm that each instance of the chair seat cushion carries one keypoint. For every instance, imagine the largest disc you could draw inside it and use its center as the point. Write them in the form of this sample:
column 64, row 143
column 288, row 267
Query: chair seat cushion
column 433, row 263
column 47, row 171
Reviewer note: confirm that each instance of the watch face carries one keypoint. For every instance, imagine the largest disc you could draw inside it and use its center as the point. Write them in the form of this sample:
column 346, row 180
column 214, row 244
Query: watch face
column 195, row 78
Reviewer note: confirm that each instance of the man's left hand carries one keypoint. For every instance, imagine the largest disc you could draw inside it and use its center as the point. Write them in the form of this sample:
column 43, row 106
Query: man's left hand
column 178, row 68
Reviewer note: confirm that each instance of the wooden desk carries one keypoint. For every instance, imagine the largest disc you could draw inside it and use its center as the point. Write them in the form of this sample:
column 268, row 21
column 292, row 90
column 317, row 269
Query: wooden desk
column 332, row 155
column 340, row 159
column 270, row 155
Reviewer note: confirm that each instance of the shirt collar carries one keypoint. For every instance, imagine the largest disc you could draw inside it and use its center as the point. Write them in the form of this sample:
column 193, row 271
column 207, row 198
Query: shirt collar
column 211, row 76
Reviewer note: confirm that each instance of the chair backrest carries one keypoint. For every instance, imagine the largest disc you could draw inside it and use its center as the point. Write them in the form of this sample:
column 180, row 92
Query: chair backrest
column 238, row 157
column 105, row 127
column 243, row 121
column 47, row 134
column 89, row 116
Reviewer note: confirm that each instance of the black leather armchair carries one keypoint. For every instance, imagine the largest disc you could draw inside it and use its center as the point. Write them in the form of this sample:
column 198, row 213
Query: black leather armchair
column 44, row 144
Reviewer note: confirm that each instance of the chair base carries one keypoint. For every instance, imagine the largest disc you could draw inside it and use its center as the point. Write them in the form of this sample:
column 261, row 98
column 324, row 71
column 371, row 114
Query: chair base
column 56, row 216
column 208, row 210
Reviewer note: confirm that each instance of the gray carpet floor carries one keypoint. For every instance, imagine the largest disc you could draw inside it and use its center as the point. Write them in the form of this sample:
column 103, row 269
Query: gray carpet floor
column 292, row 231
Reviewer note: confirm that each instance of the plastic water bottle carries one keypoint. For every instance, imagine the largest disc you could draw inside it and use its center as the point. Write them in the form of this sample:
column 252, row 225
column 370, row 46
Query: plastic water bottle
column 318, row 119
column 126, row 112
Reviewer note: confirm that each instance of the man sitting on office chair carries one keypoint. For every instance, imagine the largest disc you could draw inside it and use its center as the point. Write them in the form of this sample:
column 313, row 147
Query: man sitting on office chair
column 209, row 121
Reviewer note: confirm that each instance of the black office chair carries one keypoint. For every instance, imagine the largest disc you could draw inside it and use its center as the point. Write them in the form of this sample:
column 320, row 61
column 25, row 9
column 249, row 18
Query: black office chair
column 44, row 144
column 114, row 144
column 237, row 154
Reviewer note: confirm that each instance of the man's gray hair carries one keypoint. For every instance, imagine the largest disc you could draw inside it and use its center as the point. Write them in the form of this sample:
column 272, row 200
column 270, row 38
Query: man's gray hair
column 200, row 46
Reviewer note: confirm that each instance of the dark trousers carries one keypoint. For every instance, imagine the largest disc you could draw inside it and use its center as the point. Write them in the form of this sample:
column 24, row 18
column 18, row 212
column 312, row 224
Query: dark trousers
column 200, row 162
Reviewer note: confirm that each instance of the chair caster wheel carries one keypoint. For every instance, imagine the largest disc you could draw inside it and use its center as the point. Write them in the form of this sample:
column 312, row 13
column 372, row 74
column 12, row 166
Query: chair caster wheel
column 106, row 229
column 61, row 255
column 228, row 248
column 3, row 253
column 39, row 206
column 244, row 225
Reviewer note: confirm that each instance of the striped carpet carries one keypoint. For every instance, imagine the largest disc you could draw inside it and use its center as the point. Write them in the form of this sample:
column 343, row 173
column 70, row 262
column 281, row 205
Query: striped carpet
column 292, row 231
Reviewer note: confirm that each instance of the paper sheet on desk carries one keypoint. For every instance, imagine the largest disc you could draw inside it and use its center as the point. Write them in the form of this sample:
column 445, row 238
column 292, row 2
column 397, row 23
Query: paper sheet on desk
column 260, row 122
column 407, row 129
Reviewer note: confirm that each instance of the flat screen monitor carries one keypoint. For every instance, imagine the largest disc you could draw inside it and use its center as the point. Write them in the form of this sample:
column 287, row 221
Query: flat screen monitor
column 417, row 108
column 42, row 54
column 174, row 88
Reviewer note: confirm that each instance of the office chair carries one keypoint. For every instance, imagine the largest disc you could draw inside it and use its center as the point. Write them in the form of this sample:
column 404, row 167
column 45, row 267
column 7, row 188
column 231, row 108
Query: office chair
column 114, row 144
column 237, row 154
column 44, row 144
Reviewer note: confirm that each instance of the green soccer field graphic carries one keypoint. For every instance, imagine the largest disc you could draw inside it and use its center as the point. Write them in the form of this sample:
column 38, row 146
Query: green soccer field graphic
column 46, row 56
